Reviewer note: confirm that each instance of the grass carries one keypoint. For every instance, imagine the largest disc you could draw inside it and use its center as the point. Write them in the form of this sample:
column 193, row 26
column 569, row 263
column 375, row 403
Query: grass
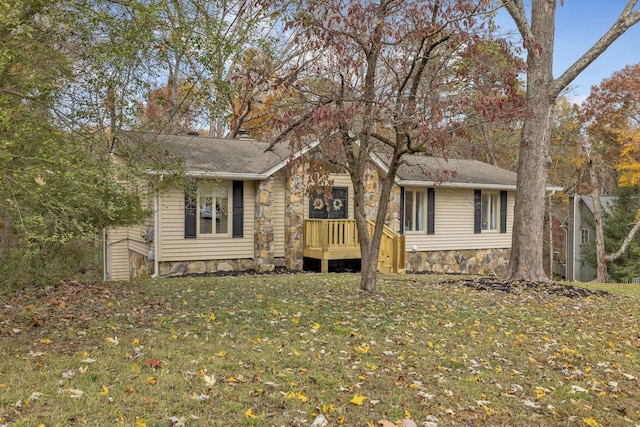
column 281, row 350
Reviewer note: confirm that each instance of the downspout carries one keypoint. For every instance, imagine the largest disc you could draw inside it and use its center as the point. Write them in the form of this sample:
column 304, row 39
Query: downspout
column 156, row 234
column 104, row 254
column 573, row 244
column 551, row 237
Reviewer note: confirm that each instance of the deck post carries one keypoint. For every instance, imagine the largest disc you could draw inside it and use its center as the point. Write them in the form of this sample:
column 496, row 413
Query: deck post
column 324, row 262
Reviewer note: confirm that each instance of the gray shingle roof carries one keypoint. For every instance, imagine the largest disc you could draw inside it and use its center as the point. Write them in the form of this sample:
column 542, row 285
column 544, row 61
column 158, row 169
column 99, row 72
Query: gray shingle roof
column 215, row 155
column 251, row 159
column 454, row 172
column 605, row 201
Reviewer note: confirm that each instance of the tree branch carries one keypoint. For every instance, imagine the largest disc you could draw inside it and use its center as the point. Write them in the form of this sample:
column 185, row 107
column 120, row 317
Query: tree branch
column 516, row 10
column 626, row 20
column 625, row 244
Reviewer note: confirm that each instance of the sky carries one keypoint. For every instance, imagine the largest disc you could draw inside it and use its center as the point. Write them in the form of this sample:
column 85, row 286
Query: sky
column 579, row 25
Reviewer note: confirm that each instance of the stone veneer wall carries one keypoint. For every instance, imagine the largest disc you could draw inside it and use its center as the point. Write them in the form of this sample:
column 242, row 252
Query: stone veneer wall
column 181, row 268
column 264, row 230
column 469, row 261
column 138, row 265
column 294, row 217
column 372, row 199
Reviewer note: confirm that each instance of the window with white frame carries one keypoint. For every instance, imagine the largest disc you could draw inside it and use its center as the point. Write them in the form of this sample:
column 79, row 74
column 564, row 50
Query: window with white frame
column 414, row 209
column 584, row 236
column 490, row 211
column 213, row 213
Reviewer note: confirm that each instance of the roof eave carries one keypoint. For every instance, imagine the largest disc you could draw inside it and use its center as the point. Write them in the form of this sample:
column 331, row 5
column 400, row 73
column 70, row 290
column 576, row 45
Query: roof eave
column 477, row 186
column 245, row 175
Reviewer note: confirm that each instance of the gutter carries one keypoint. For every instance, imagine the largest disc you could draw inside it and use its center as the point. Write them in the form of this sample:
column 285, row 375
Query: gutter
column 445, row 184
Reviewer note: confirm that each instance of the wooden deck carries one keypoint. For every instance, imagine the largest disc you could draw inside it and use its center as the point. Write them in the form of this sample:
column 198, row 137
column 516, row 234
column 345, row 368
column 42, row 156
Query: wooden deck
column 336, row 239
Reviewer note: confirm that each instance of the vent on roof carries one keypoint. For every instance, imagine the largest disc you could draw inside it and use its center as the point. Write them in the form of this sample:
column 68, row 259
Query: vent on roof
column 243, row 134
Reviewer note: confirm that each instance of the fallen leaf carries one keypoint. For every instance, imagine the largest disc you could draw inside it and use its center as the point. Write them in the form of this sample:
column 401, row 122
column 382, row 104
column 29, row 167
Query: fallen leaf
column 591, row 422
column 74, row 393
column 358, row 399
column 202, row 397
column 152, row 380
column 320, row 421
column 175, row 422
column 154, row 363
column 578, row 389
column 105, row 390
column 362, row 349
column 297, row 395
column 209, row 380
column 141, row 423
column 129, row 390
column 249, row 414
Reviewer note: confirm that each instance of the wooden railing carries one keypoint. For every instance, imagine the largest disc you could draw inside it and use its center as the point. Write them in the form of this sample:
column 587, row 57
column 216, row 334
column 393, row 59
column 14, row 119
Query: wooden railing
column 391, row 254
column 332, row 239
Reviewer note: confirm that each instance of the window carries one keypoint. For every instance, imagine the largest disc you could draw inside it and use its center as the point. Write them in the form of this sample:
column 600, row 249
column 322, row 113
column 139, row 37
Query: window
column 414, row 207
column 335, row 207
column 584, row 236
column 417, row 210
column 489, row 211
column 213, row 213
column 213, row 209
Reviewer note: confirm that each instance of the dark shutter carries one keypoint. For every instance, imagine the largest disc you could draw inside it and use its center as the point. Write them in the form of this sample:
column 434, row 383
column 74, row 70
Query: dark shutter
column 190, row 210
column 401, row 210
column 431, row 211
column 503, row 211
column 477, row 211
column 238, row 208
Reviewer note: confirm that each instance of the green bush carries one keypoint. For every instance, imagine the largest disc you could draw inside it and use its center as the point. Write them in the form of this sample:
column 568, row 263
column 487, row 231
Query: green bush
column 76, row 259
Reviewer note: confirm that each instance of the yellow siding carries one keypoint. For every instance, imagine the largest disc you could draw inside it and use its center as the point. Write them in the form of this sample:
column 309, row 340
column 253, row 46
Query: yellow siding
column 454, row 225
column 136, row 241
column 117, row 254
column 174, row 246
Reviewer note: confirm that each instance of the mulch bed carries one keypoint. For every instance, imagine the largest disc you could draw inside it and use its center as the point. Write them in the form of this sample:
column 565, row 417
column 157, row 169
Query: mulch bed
column 523, row 286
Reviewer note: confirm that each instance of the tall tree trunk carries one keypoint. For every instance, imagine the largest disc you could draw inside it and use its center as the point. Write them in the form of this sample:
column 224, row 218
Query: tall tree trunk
column 596, row 192
column 526, row 262
column 368, row 263
column 542, row 91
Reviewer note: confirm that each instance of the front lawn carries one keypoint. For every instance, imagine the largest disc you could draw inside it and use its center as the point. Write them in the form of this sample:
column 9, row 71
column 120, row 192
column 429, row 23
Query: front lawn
column 283, row 350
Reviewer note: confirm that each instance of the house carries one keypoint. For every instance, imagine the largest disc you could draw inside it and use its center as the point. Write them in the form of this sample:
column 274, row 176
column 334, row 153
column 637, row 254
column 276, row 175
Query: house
column 580, row 232
column 251, row 207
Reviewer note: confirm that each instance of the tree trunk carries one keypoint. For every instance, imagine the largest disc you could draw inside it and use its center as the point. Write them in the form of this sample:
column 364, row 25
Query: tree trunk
column 542, row 91
column 368, row 262
column 596, row 192
column 526, row 262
